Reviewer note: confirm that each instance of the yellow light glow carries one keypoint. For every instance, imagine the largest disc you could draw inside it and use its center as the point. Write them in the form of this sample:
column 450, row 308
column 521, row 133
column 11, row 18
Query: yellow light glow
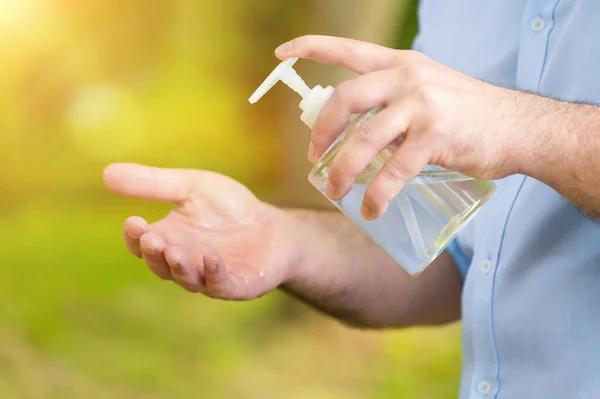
column 105, row 120
column 16, row 14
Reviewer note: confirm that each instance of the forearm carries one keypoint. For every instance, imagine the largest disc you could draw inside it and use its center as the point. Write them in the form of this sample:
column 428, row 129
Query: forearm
column 343, row 273
column 566, row 152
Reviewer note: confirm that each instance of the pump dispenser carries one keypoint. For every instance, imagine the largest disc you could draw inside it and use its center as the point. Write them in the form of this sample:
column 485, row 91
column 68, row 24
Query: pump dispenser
column 423, row 218
column 312, row 99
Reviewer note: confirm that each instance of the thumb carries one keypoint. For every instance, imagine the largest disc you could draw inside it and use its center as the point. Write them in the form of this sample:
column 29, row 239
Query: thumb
column 138, row 181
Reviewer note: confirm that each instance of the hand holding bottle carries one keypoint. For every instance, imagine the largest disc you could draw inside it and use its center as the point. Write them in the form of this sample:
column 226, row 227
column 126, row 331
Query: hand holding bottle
column 437, row 115
column 220, row 240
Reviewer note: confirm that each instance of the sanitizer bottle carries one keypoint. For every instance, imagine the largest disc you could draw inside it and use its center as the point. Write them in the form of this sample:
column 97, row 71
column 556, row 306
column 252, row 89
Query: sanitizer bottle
column 423, row 218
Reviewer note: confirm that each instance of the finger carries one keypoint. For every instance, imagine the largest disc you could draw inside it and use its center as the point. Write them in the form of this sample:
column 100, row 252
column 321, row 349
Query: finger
column 353, row 55
column 362, row 146
column 184, row 273
column 408, row 161
column 353, row 96
column 133, row 229
column 152, row 247
column 132, row 180
column 219, row 283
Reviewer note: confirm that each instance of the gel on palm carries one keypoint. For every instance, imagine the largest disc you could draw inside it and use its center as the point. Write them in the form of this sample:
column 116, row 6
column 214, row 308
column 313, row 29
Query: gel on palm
column 423, row 218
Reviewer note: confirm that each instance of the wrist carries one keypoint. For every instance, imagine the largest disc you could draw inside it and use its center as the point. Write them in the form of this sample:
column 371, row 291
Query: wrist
column 534, row 141
column 289, row 242
column 558, row 131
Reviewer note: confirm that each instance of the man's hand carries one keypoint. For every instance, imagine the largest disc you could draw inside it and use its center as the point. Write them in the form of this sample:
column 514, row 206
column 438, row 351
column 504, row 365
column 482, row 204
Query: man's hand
column 220, row 240
column 225, row 243
column 438, row 115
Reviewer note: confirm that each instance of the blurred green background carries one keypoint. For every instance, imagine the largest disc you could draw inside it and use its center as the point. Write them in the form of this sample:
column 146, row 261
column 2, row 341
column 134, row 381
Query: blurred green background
column 166, row 82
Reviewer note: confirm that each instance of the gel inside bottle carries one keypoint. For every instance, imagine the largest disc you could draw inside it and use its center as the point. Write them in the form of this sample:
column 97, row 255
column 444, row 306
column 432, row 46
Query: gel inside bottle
column 423, row 218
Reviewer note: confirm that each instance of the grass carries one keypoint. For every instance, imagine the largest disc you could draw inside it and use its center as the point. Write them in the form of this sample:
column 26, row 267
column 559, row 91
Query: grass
column 79, row 318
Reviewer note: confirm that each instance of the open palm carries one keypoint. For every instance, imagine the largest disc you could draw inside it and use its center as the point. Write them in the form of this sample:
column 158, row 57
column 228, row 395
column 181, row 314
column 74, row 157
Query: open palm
column 220, row 240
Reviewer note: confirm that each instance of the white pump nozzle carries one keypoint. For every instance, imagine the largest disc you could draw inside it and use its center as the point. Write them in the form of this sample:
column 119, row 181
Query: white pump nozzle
column 312, row 99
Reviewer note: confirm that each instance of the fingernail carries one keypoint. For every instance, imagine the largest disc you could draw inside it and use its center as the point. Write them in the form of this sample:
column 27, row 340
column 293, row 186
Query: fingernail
column 367, row 213
column 332, row 191
column 283, row 48
column 176, row 258
column 312, row 153
column 210, row 263
column 210, row 266
column 177, row 267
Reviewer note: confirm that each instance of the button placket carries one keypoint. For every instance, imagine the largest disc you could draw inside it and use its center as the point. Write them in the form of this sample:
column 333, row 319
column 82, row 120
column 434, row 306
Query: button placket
column 536, row 26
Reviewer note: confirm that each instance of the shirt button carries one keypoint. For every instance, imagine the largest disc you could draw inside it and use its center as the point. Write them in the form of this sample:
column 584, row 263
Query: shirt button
column 538, row 24
column 486, row 266
column 484, row 387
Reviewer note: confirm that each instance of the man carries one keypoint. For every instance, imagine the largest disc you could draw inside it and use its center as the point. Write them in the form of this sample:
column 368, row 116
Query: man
column 526, row 271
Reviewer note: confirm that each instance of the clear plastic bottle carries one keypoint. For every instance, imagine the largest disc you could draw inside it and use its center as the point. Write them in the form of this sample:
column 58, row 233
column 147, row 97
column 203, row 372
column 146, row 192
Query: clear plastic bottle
column 423, row 218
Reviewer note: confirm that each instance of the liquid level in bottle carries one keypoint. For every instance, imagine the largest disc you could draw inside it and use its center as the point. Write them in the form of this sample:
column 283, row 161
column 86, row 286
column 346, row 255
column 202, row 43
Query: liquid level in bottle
column 421, row 221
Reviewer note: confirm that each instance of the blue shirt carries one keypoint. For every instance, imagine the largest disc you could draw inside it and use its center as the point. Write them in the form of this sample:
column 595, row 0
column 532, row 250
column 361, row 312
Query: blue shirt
column 531, row 296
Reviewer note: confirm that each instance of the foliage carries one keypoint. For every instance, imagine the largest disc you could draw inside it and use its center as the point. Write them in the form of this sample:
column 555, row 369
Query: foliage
column 163, row 82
